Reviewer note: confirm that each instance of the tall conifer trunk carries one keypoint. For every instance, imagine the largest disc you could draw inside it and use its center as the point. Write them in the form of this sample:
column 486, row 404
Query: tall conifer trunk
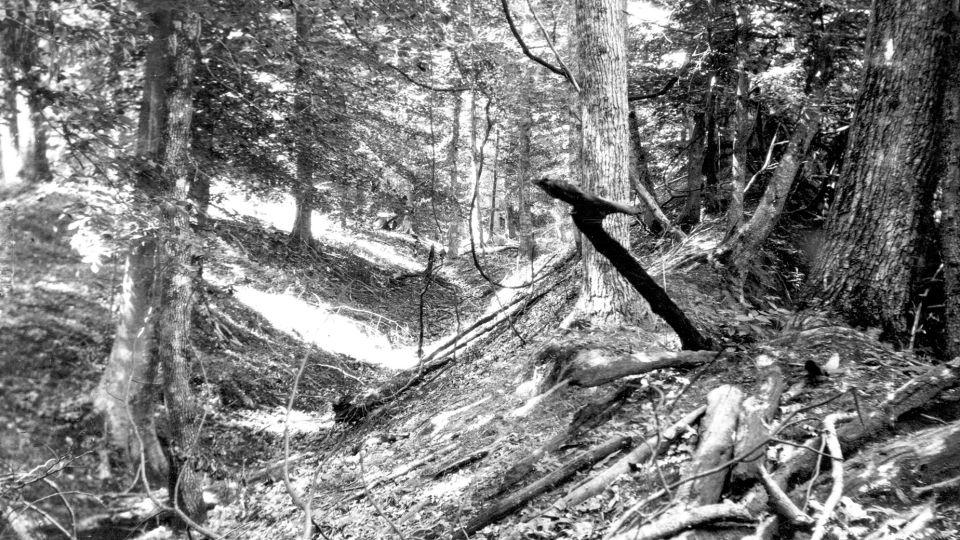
column 304, row 190
column 601, row 71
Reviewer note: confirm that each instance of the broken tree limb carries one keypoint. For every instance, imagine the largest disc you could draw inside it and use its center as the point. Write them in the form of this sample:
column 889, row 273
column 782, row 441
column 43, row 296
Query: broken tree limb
column 716, row 446
column 755, row 416
column 686, row 517
column 780, row 502
column 505, row 506
column 600, row 481
column 588, row 213
column 589, row 416
column 594, row 367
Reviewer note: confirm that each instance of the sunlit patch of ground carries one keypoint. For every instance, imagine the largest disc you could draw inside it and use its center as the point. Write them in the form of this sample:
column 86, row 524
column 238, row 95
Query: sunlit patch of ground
column 274, row 421
column 321, row 325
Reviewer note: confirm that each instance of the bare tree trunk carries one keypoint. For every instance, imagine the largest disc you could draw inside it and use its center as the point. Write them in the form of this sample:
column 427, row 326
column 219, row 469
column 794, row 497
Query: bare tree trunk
column 877, row 244
column 690, row 215
column 128, row 389
column 453, row 230
column 20, row 55
column 476, row 168
column 741, row 128
column 304, row 190
column 528, row 248
column 493, row 189
column 601, row 70
column 179, row 264
column 950, row 199
column 741, row 248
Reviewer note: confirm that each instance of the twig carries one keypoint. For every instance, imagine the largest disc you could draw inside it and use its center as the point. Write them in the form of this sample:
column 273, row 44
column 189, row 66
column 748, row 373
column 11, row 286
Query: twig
column 546, row 36
column 950, row 483
column 526, row 50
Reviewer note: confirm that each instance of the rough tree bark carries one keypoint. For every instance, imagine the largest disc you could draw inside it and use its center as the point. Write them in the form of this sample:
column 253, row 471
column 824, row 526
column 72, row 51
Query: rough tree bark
column 304, row 190
column 601, row 70
column 950, row 199
column 877, row 242
column 690, row 215
column 742, row 126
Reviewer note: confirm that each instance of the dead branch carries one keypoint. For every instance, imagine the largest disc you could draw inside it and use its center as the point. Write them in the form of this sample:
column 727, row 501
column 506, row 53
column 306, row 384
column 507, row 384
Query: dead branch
column 505, row 506
column 587, row 417
column 780, row 502
column 686, row 517
column 594, row 367
column 354, row 408
column 588, row 213
column 600, row 481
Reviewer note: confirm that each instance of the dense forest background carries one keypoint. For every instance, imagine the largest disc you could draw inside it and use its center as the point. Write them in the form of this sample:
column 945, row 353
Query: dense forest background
column 479, row 269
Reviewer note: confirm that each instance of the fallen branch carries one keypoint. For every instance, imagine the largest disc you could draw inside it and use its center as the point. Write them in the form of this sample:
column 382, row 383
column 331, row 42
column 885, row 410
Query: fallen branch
column 505, row 506
column 600, row 481
column 780, row 502
column 589, row 416
column 595, row 367
column 588, row 213
column 686, row 517
column 356, row 407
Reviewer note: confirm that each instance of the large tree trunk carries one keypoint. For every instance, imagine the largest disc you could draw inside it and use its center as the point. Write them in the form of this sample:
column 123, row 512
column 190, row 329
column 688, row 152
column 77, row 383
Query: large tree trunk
column 741, row 128
column 601, row 70
column 179, row 263
column 304, row 190
column 878, row 230
column 128, row 390
column 453, row 230
column 528, row 248
column 950, row 199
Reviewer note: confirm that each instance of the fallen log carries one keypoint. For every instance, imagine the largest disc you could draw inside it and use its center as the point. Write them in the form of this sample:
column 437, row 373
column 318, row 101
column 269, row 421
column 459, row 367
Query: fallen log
column 506, row 505
column 600, row 481
column 715, row 447
column 916, row 393
column 595, row 367
column 588, row 213
column 923, row 456
column 353, row 408
column 686, row 517
column 756, row 415
column 589, row 416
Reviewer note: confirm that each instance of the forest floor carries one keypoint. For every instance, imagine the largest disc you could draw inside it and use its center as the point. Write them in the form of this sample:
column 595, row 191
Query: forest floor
column 425, row 461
